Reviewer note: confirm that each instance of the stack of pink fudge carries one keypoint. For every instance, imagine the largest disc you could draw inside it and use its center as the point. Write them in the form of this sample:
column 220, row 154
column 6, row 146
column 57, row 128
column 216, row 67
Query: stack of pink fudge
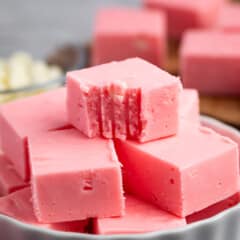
column 209, row 31
column 120, row 144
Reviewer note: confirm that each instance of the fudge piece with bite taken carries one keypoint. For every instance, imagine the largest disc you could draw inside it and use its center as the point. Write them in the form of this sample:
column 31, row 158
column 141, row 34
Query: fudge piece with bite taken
column 127, row 99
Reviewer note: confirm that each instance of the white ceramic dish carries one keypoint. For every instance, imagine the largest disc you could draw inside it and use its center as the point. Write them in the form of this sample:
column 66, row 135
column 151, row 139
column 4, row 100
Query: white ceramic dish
column 224, row 226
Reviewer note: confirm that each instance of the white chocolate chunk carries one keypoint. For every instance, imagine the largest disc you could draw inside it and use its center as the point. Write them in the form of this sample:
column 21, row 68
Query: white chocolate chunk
column 3, row 75
column 54, row 72
column 20, row 75
column 40, row 72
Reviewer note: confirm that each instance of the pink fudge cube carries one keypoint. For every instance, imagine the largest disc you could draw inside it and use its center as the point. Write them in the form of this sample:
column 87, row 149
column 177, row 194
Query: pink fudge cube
column 214, row 209
column 122, row 33
column 189, row 106
column 186, row 14
column 140, row 217
column 229, row 19
column 18, row 205
column 171, row 172
column 210, row 62
column 70, row 172
column 127, row 99
column 10, row 181
column 23, row 118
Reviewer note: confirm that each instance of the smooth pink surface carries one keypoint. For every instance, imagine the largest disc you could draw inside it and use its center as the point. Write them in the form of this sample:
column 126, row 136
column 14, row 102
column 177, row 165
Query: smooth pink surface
column 140, row 217
column 214, row 209
column 23, row 118
column 171, row 172
column 122, row 33
column 186, row 14
column 189, row 106
column 210, row 62
column 70, row 172
column 223, row 129
column 138, row 100
column 18, row 205
column 229, row 19
column 10, row 181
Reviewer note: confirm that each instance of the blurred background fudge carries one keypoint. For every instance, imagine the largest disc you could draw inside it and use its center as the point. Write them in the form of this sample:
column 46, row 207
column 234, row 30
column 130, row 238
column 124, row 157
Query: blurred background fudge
column 40, row 41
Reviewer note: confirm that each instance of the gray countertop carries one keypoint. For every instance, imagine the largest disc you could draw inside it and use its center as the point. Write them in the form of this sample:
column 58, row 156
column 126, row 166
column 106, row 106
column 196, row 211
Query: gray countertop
column 38, row 26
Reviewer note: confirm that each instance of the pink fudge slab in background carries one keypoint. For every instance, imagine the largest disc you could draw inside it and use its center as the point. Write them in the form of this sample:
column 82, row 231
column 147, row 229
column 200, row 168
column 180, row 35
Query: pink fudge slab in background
column 22, row 118
column 186, row 14
column 127, row 99
column 182, row 174
column 189, row 106
column 229, row 18
column 122, row 33
column 140, row 217
column 70, row 172
column 10, row 181
column 18, row 205
column 210, row 62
